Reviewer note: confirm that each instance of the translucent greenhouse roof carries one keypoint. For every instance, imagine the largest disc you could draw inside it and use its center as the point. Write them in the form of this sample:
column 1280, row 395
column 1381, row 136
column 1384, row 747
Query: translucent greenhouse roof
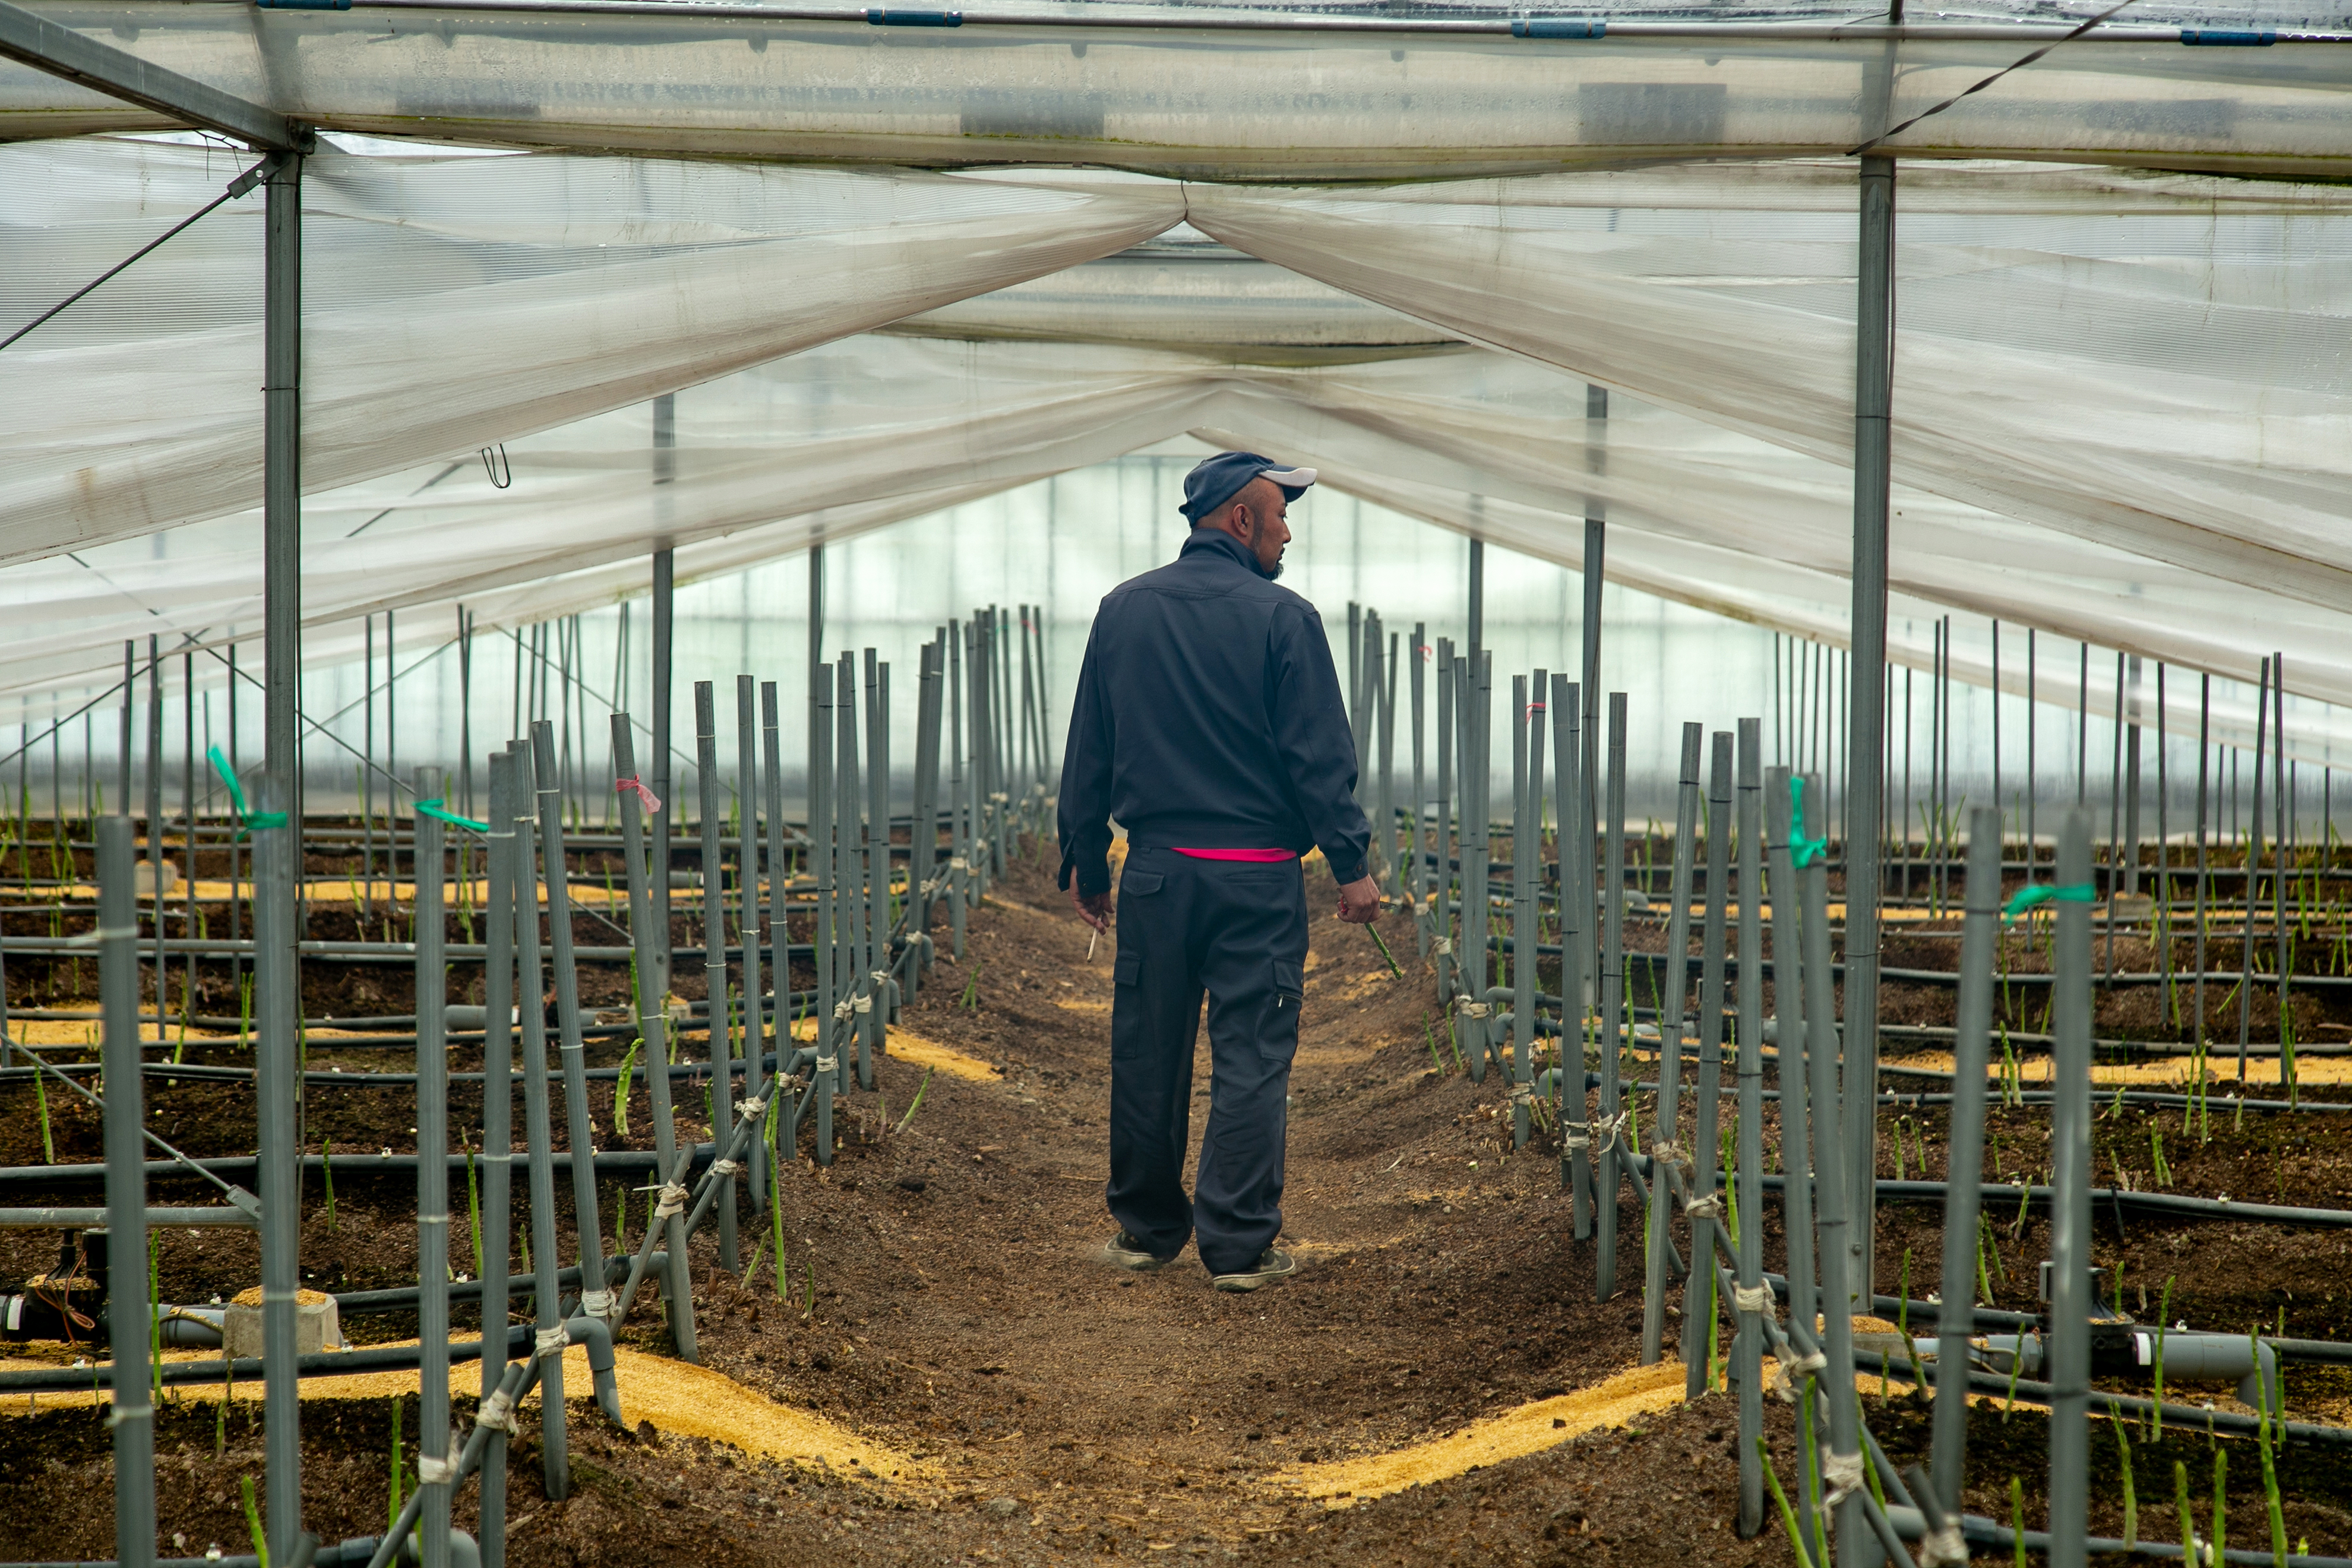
column 1243, row 93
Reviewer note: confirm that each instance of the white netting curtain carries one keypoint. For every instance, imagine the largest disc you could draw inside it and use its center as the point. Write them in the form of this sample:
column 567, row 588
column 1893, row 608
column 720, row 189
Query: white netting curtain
column 2157, row 364
column 452, row 303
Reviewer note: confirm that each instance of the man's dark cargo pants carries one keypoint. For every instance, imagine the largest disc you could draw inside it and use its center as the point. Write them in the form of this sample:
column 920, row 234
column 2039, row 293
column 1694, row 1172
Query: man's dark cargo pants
column 1237, row 929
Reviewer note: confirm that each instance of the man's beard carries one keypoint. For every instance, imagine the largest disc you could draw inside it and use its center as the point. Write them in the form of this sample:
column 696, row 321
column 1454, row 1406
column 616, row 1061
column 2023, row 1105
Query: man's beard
column 1271, row 573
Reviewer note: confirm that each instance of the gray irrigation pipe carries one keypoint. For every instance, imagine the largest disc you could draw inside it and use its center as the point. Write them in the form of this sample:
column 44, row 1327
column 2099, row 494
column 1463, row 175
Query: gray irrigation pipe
column 1947, row 1463
column 215, row 1371
column 653, row 1020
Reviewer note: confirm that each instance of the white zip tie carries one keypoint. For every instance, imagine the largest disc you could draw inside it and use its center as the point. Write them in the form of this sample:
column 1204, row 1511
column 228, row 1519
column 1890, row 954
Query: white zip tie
column 1668, row 1153
column 1841, row 1474
column 498, row 1413
column 1578, row 1135
column 862, row 1005
column 1443, row 947
column 551, row 1342
column 1610, row 1130
column 1707, row 1207
column 881, row 978
column 1469, row 1009
column 1759, row 1299
column 596, row 1303
column 725, row 1167
column 843, row 1011
column 674, row 1199
column 1786, row 1374
column 752, row 1108
column 433, row 1472
column 827, row 1064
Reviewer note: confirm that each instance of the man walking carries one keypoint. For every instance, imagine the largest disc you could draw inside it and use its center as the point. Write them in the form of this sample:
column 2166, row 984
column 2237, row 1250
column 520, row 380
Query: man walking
column 1207, row 721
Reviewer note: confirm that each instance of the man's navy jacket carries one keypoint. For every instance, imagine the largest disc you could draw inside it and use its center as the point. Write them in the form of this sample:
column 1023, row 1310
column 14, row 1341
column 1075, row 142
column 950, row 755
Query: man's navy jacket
column 1208, row 717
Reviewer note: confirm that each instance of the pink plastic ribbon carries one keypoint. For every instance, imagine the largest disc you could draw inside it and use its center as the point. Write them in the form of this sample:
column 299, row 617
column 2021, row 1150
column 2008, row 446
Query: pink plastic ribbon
column 645, row 797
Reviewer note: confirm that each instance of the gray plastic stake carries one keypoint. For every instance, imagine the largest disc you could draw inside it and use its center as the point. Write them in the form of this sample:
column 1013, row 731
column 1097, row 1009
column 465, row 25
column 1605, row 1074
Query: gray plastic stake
column 555, row 1452
column 128, row 1315
column 2070, row 1226
column 747, row 877
column 1672, row 1019
column 653, row 1023
column 1575, row 913
column 554, row 866
column 432, row 1180
column 1747, row 1349
column 1789, row 1026
column 1699, row 1289
column 497, row 1137
column 1971, row 1049
column 714, row 961
column 1609, row 1140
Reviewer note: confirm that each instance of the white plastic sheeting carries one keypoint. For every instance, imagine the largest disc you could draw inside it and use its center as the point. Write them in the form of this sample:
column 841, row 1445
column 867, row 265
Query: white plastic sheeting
column 462, row 301
column 1307, row 104
column 453, row 304
column 858, row 434
column 2162, row 364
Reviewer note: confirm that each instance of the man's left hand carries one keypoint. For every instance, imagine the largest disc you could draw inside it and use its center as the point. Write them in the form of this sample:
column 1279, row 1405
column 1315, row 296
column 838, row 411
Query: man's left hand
column 1360, row 901
column 1093, row 908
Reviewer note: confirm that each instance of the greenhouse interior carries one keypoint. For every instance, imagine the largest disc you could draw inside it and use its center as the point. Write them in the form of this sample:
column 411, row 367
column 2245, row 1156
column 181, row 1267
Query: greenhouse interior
column 1818, row 538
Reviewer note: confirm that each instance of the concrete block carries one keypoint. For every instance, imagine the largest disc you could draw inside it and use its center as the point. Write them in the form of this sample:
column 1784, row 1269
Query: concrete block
column 317, row 1326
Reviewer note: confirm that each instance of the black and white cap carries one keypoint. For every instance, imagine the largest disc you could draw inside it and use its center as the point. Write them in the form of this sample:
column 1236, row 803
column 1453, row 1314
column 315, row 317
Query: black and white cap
column 1215, row 481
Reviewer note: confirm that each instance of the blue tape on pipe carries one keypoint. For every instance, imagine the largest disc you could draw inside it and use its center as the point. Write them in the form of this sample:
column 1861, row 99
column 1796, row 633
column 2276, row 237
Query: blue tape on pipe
column 1559, row 28
column 2224, row 37
column 882, row 18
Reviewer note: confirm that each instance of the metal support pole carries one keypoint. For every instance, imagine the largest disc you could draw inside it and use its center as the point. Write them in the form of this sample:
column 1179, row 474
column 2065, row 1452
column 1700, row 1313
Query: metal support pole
column 432, row 1186
column 1441, row 910
column 129, row 1323
column 1595, row 564
column 277, row 852
column 1866, row 694
column 1789, row 1031
column 822, row 856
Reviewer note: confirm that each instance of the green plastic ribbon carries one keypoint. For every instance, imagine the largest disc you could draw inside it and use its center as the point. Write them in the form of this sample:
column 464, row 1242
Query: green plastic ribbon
column 2039, row 893
column 433, row 808
column 254, row 821
column 1802, row 851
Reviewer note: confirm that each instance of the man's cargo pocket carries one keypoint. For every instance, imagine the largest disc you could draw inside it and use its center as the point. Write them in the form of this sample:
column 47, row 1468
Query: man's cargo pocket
column 1140, row 882
column 1127, row 969
column 1280, row 1035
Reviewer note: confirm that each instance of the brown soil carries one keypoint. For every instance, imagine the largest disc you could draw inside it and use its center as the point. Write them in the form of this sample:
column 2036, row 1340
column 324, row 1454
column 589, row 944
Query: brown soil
column 1080, row 1414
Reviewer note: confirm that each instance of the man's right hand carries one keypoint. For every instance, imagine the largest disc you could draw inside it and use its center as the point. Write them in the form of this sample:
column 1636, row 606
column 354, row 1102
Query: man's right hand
column 1093, row 908
column 1360, row 901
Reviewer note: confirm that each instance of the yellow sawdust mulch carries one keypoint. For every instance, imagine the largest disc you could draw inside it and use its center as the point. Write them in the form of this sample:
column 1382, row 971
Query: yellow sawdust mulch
column 2221, row 1068
column 679, row 1399
column 1529, row 1430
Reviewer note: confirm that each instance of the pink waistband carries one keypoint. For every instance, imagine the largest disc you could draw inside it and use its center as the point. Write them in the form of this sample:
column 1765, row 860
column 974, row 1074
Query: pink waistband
column 1267, row 854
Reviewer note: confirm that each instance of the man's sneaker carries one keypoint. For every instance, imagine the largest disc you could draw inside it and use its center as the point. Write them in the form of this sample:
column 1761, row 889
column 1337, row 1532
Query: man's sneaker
column 1124, row 1251
column 1271, row 1265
